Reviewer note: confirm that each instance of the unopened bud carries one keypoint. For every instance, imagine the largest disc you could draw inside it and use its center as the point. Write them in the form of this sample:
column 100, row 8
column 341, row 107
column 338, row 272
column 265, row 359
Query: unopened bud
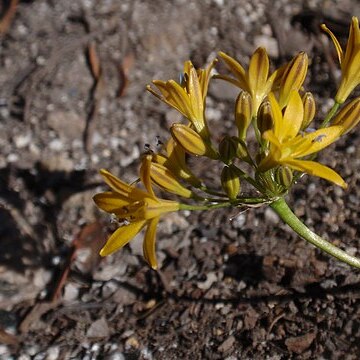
column 264, row 117
column 284, row 176
column 230, row 182
column 241, row 150
column 190, row 140
column 349, row 116
column 309, row 109
column 293, row 77
column 243, row 113
column 227, row 148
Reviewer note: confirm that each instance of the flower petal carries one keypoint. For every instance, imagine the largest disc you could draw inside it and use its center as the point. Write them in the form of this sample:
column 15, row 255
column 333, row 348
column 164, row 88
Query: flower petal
column 352, row 43
column 149, row 243
column 314, row 142
column 316, row 169
column 164, row 178
column 179, row 99
column 236, row 69
column 277, row 117
column 293, row 77
column 335, row 41
column 145, row 175
column 293, row 116
column 204, row 78
column 196, row 99
column 110, row 201
column 121, row 187
column 121, row 237
column 258, row 73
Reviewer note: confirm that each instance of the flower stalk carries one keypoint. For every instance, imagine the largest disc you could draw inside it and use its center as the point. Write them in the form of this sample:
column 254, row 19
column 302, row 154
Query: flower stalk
column 282, row 209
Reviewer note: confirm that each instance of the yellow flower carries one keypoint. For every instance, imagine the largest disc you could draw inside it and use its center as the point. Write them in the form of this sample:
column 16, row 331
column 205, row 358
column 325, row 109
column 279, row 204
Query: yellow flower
column 349, row 62
column 288, row 146
column 189, row 96
column 256, row 81
column 136, row 208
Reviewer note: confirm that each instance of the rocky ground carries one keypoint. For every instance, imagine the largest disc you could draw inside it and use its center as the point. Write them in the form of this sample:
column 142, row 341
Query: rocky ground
column 231, row 285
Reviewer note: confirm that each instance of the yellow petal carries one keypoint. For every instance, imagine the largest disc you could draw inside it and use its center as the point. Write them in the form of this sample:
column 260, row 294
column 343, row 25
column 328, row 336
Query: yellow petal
column 293, row 77
column 293, row 116
column 335, row 41
column 150, row 242
column 258, row 73
column 270, row 136
column 145, row 175
column 121, row 187
column 316, row 169
column 110, row 201
column 204, row 78
column 352, row 44
column 196, row 99
column 236, row 69
column 314, row 142
column 163, row 87
column 275, row 154
column 121, row 237
column 163, row 178
column 277, row 118
column 156, row 208
column 179, row 98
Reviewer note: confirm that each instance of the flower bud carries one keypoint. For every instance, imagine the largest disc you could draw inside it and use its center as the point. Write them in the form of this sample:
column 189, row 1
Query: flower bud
column 243, row 113
column 293, row 77
column 264, row 117
column 163, row 178
column 228, row 148
column 241, row 150
column 190, row 140
column 349, row 116
column 309, row 109
column 230, row 182
column 284, row 176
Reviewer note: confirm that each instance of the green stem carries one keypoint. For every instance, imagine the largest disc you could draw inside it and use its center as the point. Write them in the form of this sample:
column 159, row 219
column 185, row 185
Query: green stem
column 205, row 207
column 330, row 114
column 282, row 209
column 238, row 202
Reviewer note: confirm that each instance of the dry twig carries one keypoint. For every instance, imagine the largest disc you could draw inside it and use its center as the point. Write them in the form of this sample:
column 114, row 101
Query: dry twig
column 6, row 20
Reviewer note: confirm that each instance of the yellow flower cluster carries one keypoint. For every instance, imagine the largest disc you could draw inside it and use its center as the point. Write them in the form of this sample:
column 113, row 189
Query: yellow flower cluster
column 277, row 109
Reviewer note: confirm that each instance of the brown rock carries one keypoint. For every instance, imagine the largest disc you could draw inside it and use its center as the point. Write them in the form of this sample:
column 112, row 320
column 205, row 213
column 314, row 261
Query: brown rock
column 299, row 344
